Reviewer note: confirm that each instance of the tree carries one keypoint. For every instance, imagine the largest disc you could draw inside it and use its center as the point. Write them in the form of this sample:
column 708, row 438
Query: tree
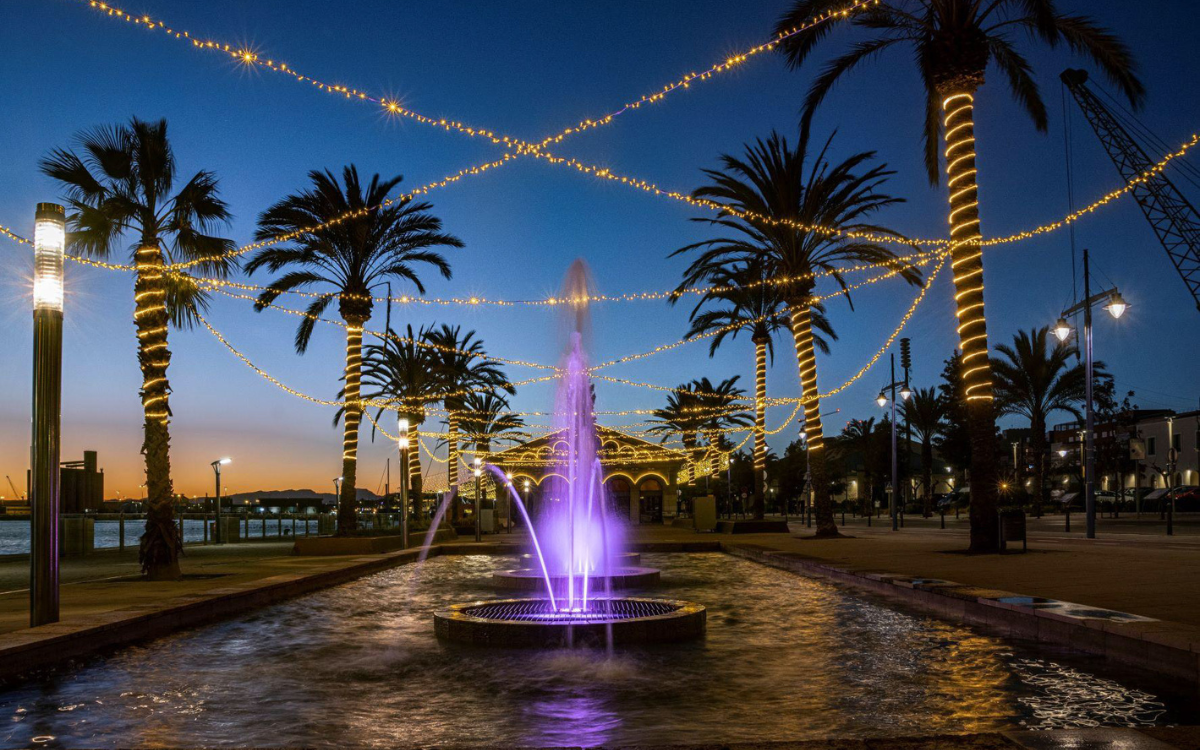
column 925, row 411
column 462, row 366
column 780, row 183
column 124, row 184
column 739, row 299
column 1034, row 379
column 718, row 412
column 487, row 420
column 359, row 244
column 402, row 370
column 860, row 439
column 679, row 418
column 954, row 41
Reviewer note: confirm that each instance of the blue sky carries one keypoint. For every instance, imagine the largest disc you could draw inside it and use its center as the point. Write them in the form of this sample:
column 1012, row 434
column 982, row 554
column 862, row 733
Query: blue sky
column 529, row 69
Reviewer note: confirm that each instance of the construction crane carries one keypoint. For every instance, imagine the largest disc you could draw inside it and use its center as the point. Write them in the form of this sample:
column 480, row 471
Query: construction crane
column 16, row 494
column 1171, row 215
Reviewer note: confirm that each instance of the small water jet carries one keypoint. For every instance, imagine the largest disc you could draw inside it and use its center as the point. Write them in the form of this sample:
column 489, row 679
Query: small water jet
column 577, row 558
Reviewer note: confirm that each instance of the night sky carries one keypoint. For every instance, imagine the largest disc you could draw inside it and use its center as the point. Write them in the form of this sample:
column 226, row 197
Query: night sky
column 530, row 69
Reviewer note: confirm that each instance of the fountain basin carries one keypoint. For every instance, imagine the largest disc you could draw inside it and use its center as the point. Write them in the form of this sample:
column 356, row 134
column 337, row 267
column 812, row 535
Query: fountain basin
column 531, row 579
column 532, row 622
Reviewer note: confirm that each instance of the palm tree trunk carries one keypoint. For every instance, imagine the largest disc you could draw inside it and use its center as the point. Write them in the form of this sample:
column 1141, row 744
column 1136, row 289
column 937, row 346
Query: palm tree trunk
column 967, row 262
column 807, row 360
column 415, row 482
column 927, row 476
column 452, row 465
column 760, row 424
column 1038, row 445
column 348, row 502
column 160, row 543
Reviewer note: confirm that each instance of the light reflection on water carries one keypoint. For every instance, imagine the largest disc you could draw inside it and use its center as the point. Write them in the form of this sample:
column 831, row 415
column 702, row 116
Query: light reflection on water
column 785, row 658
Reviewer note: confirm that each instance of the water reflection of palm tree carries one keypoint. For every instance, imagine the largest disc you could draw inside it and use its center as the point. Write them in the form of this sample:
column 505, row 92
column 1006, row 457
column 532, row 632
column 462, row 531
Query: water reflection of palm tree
column 124, row 183
column 347, row 257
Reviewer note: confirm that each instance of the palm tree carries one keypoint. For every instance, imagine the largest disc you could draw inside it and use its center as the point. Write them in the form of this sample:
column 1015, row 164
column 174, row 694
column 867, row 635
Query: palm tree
column 347, row 257
column 717, row 413
column 680, row 417
column 461, row 366
column 1035, row 377
column 740, row 299
column 954, row 41
column 925, row 412
column 778, row 182
column 402, row 369
column 124, row 183
column 487, row 420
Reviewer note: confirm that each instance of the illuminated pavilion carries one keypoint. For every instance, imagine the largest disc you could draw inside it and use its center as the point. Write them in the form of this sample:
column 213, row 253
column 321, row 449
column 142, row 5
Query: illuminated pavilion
column 641, row 477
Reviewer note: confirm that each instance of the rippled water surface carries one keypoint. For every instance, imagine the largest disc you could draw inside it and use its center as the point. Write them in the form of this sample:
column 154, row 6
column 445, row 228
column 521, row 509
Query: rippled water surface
column 784, row 658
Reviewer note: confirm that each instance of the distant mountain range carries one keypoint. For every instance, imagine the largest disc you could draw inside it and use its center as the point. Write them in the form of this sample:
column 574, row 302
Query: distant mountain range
column 327, row 497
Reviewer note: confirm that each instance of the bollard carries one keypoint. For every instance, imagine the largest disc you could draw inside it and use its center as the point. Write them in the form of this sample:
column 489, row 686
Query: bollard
column 943, row 514
column 246, row 525
column 121, row 531
column 204, row 518
column 1068, row 525
column 293, row 526
column 843, row 515
column 1170, row 522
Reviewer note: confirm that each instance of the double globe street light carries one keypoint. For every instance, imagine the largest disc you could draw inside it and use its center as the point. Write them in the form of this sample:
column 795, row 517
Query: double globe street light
column 905, row 393
column 1115, row 304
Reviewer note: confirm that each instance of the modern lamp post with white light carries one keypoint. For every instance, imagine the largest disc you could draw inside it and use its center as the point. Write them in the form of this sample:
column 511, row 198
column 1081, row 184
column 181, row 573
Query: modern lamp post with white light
column 403, row 442
column 1115, row 305
column 218, row 533
column 49, row 240
column 883, row 399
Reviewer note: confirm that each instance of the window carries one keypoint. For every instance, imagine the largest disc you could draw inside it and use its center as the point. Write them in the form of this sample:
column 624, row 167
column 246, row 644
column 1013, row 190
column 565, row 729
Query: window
column 1150, row 446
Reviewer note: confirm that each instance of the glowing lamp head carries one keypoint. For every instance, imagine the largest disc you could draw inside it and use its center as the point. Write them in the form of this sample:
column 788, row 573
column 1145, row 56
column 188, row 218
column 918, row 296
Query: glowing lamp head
column 1062, row 329
column 1062, row 453
column 1116, row 305
column 49, row 242
column 882, row 400
column 905, row 393
column 526, row 484
column 403, row 425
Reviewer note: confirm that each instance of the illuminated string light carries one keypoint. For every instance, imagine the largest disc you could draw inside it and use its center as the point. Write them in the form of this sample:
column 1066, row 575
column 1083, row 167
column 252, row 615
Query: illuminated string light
column 965, row 251
column 10, row 234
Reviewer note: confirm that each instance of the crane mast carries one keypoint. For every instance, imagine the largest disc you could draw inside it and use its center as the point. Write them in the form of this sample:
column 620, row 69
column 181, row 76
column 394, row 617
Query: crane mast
column 1171, row 215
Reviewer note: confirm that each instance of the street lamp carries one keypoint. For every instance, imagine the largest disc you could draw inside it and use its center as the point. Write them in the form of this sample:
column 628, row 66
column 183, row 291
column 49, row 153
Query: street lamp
column 883, row 400
column 403, row 443
column 218, row 534
column 478, row 476
column 1115, row 305
column 49, row 240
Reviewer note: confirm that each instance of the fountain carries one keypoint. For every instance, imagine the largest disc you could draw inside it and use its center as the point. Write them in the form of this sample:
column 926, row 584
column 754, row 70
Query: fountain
column 577, row 559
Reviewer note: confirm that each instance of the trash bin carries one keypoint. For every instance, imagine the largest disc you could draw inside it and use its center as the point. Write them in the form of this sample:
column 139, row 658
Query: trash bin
column 1012, row 529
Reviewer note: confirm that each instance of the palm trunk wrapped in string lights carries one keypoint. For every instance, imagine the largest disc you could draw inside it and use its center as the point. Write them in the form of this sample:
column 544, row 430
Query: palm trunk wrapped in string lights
column 966, row 260
column 802, row 333
column 415, row 480
column 452, row 462
column 760, row 424
column 160, row 544
column 348, row 502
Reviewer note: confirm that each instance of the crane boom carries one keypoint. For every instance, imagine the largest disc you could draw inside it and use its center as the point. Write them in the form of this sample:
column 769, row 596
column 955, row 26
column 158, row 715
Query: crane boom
column 16, row 494
column 1171, row 215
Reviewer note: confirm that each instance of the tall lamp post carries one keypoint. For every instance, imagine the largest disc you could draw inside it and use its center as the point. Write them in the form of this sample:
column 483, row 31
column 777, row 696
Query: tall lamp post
column 883, row 401
column 218, row 534
column 403, row 442
column 478, row 478
column 1115, row 305
column 49, row 240
column 337, row 493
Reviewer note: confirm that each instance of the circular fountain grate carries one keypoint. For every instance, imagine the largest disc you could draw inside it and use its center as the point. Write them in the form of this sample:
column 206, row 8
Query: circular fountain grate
column 599, row 610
